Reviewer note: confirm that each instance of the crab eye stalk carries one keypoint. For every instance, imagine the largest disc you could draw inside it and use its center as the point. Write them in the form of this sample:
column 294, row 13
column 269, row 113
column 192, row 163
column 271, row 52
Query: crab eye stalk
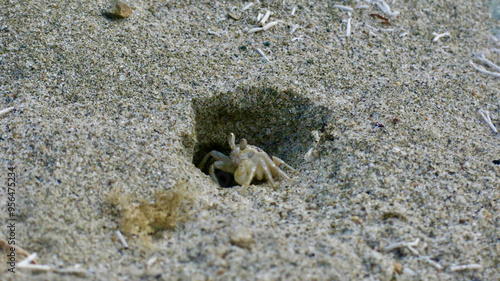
column 231, row 141
column 243, row 144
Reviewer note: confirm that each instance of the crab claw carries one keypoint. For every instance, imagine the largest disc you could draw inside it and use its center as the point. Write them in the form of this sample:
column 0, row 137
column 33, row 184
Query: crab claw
column 245, row 172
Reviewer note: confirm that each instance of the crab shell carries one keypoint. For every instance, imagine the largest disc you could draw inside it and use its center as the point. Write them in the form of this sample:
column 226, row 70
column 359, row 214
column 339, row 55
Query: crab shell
column 248, row 160
column 253, row 162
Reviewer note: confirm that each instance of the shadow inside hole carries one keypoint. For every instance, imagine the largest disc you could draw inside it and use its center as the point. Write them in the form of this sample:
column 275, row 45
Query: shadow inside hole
column 225, row 179
column 280, row 122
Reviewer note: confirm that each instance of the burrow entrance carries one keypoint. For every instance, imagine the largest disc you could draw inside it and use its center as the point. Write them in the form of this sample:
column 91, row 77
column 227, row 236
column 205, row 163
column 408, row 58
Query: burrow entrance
column 280, row 122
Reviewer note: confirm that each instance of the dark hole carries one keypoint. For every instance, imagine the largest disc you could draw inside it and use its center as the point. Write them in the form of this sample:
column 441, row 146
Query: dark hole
column 279, row 122
column 225, row 179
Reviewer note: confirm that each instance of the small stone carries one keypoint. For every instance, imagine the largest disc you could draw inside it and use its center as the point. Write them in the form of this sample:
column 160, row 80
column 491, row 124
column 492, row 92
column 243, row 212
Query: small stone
column 267, row 44
column 398, row 268
column 233, row 15
column 356, row 219
column 409, row 272
column 242, row 238
column 243, row 48
column 120, row 11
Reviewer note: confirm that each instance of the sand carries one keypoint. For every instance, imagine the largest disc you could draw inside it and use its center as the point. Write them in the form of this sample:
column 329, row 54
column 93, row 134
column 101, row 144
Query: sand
column 382, row 127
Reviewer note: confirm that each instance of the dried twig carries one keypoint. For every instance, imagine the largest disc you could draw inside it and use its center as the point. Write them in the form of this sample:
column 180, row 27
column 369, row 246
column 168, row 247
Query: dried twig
column 247, row 6
column 482, row 70
column 408, row 245
column 438, row 36
column 38, row 267
column 5, row 111
column 259, row 17
column 371, row 27
column 27, row 264
column 345, row 8
column 472, row 266
column 265, row 27
column 383, row 19
column 209, row 32
column 263, row 55
column 385, row 8
column 269, row 25
column 348, row 28
column 122, row 239
column 483, row 59
column 262, row 22
column 433, row 263
column 486, row 117
column 28, row 260
column 151, row 261
column 256, row 29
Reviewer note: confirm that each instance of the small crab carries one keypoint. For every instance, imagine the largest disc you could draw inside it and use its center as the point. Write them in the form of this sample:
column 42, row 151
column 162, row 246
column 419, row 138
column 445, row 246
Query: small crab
column 245, row 162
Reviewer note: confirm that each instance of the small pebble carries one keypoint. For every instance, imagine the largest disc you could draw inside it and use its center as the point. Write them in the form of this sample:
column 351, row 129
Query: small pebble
column 398, row 268
column 243, row 48
column 241, row 238
column 409, row 272
column 356, row 219
column 233, row 15
column 267, row 44
column 120, row 11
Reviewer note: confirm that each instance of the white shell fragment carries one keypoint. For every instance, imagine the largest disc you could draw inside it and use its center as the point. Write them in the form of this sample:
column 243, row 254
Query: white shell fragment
column 472, row 266
column 345, row 8
column 262, row 22
column 269, row 25
column 256, row 29
column 5, row 111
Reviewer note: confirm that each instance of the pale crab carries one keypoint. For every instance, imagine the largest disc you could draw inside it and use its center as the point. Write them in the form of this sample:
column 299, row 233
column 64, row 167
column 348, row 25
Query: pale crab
column 245, row 162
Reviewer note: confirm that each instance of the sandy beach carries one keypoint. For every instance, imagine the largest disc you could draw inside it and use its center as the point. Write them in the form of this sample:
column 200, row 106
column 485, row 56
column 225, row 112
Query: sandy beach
column 382, row 108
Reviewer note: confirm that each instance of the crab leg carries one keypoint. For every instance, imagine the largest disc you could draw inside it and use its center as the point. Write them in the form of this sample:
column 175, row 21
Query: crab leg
column 277, row 169
column 220, row 165
column 277, row 161
column 222, row 162
column 268, row 173
column 216, row 155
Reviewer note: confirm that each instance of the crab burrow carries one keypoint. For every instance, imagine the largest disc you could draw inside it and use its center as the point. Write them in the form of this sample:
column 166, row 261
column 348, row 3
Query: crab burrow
column 279, row 122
